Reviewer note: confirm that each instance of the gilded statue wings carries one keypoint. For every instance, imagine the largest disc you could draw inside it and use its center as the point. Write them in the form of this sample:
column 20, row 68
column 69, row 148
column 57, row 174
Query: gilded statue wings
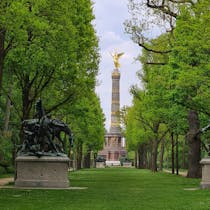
column 120, row 54
column 116, row 57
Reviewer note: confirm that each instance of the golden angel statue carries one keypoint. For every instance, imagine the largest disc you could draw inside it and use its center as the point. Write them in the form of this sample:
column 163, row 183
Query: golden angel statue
column 116, row 57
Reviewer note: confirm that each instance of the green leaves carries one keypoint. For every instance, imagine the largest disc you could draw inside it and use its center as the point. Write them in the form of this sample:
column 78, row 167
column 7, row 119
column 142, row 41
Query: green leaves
column 191, row 55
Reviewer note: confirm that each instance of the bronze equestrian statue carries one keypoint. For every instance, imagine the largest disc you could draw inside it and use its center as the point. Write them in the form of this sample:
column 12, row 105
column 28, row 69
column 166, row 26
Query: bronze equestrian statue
column 42, row 135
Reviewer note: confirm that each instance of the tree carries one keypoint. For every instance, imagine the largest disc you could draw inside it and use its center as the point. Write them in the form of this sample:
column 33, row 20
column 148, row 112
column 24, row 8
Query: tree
column 190, row 63
column 52, row 53
column 156, row 101
column 187, row 48
column 54, row 49
column 6, row 43
column 87, row 123
column 144, row 125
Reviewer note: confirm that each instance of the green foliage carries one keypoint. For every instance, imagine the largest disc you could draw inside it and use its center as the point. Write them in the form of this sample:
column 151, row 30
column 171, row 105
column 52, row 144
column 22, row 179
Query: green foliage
column 87, row 122
column 53, row 50
column 190, row 58
column 53, row 55
column 153, row 106
column 6, row 148
column 174, row 82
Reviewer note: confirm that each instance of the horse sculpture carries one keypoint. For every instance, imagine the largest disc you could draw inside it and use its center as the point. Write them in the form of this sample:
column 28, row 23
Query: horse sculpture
column 42, row 136
column 57, row 128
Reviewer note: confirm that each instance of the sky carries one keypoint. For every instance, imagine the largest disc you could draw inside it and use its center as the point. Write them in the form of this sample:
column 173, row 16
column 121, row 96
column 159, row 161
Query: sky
column 110, row 16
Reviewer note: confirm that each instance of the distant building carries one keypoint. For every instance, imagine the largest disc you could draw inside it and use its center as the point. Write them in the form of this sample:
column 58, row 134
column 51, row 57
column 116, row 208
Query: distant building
column 114, row 144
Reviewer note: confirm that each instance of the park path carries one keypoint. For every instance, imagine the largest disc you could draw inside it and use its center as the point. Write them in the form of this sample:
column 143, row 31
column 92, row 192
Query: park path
column 180, row 172
column 4, row 181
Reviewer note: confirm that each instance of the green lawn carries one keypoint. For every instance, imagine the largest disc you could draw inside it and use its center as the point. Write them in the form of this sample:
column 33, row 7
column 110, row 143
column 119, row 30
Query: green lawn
column 113, row 188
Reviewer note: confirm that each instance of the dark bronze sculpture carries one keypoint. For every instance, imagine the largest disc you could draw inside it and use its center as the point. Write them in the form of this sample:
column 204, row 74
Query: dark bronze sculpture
column 42, row 135
column 202, row 130
column 100, row 159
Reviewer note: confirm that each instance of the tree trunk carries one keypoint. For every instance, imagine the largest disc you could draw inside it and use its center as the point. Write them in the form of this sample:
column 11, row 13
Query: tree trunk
column 139, row 156
column 2, row 39
column 194, row 155
column 172, row 153
column 154, row 156
column 177, row 155
column 26, row 104
column 155, row 148
column 79, row 156
column 87, row 159
column 145, row 159
column 149, row 155
column 162, row 154
column 184, row 165
column 7, row 111
column 136, row 157
column 94, row 159
column 142, row 156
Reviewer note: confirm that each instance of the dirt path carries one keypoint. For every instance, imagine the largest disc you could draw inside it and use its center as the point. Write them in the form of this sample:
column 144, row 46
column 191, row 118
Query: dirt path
column 180, row 173
column 4, row 181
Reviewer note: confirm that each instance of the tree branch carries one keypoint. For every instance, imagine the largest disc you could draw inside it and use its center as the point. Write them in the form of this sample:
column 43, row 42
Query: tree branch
column 164, row 8
column 13, row 103
column 154, row 63
column 163, row 135
column 9, row 46
column 199, row 109
column 61, row 103
column 182, row 1
column 144, row 122
column 40, row 88
column 152, row 50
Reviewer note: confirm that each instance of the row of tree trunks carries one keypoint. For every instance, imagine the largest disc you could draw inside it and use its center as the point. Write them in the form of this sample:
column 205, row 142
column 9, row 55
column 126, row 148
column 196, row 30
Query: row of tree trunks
column 145, row 161
column 184, row 163
column 141, row 160
column 83, row 160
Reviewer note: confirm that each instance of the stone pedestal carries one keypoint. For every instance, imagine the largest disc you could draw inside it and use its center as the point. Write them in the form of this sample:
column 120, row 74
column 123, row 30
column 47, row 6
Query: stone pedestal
column 205, row 182
column 113, row 163
column 100, row 164
column 127, row 164
column 43, row 172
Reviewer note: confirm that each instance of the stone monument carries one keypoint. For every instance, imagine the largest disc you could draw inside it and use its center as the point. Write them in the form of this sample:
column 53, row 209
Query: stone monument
column 100, row 162
column 205, row 162
column 113, row 144
column 41, row 161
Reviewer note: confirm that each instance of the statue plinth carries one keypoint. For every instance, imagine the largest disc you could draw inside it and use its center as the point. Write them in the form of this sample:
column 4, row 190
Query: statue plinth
column 205, row 182
column 43, row 172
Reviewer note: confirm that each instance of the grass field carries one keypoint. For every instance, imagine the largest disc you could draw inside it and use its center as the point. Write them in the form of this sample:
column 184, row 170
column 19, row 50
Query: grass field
column 116, row 189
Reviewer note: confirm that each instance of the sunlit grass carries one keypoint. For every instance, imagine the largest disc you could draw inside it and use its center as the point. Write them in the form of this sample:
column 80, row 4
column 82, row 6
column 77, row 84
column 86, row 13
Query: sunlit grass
column 113, row 188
